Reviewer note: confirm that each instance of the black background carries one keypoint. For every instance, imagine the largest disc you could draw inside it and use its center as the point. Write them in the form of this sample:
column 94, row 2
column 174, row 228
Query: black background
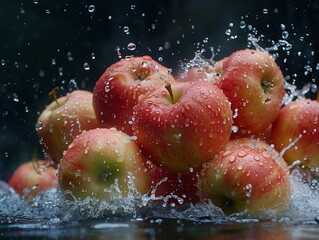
column 45, row 43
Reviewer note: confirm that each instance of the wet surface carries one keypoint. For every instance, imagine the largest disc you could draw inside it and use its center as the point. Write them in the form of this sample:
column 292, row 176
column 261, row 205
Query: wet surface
column 158, row 229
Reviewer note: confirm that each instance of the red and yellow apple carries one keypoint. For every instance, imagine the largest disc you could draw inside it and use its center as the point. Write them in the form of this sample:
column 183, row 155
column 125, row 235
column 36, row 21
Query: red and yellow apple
column 258, row 144
column 63, row 120
column 183, row 125
column 298, row 122
column 118, row 89
column 253, row 83
column 30, row 178
column 249, row 179
column 100, row 162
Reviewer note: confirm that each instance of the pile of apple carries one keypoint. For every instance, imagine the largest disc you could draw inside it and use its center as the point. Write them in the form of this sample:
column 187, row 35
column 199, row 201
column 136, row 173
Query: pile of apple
column 204, row 136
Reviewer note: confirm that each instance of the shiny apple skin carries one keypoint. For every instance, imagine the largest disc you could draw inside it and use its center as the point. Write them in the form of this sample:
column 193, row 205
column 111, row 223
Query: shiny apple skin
column 99, row 158
column 299, row 118
column 33, row 178
column 246, row 179
column 118, row 89
column 254, row 84
column 61, row 122
column 258, row 144
column 186, row 132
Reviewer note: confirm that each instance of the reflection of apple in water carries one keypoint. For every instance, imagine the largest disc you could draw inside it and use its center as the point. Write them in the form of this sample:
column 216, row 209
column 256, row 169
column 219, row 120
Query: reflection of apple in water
column 253, row 83
column 63, row 120
column 99, row 160
column 184, row 125
column 245, row 178
column 298, row 122
column 118, row 89
column 33, row 177
column 165, row 183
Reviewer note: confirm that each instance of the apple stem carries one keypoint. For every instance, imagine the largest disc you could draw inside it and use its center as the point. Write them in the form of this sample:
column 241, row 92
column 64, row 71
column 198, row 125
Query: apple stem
column 53, row 95
column 35, row 163
column 168, row 87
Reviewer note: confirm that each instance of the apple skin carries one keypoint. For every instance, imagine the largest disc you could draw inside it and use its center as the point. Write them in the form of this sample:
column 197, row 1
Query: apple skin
column 193, row 74
column 165, row 183
column 37, row 177
column 253, row 83
column 259, row 144
column 299, row 118
column 118, row 89
column 99, row 158
column 245, row 178
column 58, row 125
column 185, row 132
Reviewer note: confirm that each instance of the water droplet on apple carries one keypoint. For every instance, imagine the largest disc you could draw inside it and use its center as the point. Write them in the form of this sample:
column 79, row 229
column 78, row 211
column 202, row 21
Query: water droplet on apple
column 35, row 186
column 234, row 129
column 242, row 153
column 232, row 158
column 107, row 88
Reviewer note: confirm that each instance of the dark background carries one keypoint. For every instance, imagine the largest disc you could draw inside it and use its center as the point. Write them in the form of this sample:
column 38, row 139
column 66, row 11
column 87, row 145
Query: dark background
column 46, row 43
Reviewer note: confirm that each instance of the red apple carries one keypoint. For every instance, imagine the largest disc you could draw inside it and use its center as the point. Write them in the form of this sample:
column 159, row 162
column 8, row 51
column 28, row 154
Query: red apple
column 297, row 129
column 101, row 162
column 253, row 83
column 63, row 120
column 174, row 188
column 183, row 126
column 192, row 74
column 118, row 89
column 257, row 143
column 245, row 178
column 30, row 178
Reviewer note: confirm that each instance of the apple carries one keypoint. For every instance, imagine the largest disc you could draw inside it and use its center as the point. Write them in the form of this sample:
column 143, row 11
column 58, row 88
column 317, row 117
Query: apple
column 63, row 120
column 183, row 125
column 296, row 131
column 173, row 188
column 100, row 163
column 253, row 83
column 243, row 178
column 33, row 177
column 192, row 74
column 258, row 144
column 118, row 89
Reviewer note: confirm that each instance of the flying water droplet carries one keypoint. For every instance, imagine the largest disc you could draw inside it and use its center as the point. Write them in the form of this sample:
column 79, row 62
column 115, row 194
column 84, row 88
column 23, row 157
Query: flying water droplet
column 91, row 8
column 126, row 29
column 86, row 66
column 131, row 46
column 242, row 24
column 285, row 34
